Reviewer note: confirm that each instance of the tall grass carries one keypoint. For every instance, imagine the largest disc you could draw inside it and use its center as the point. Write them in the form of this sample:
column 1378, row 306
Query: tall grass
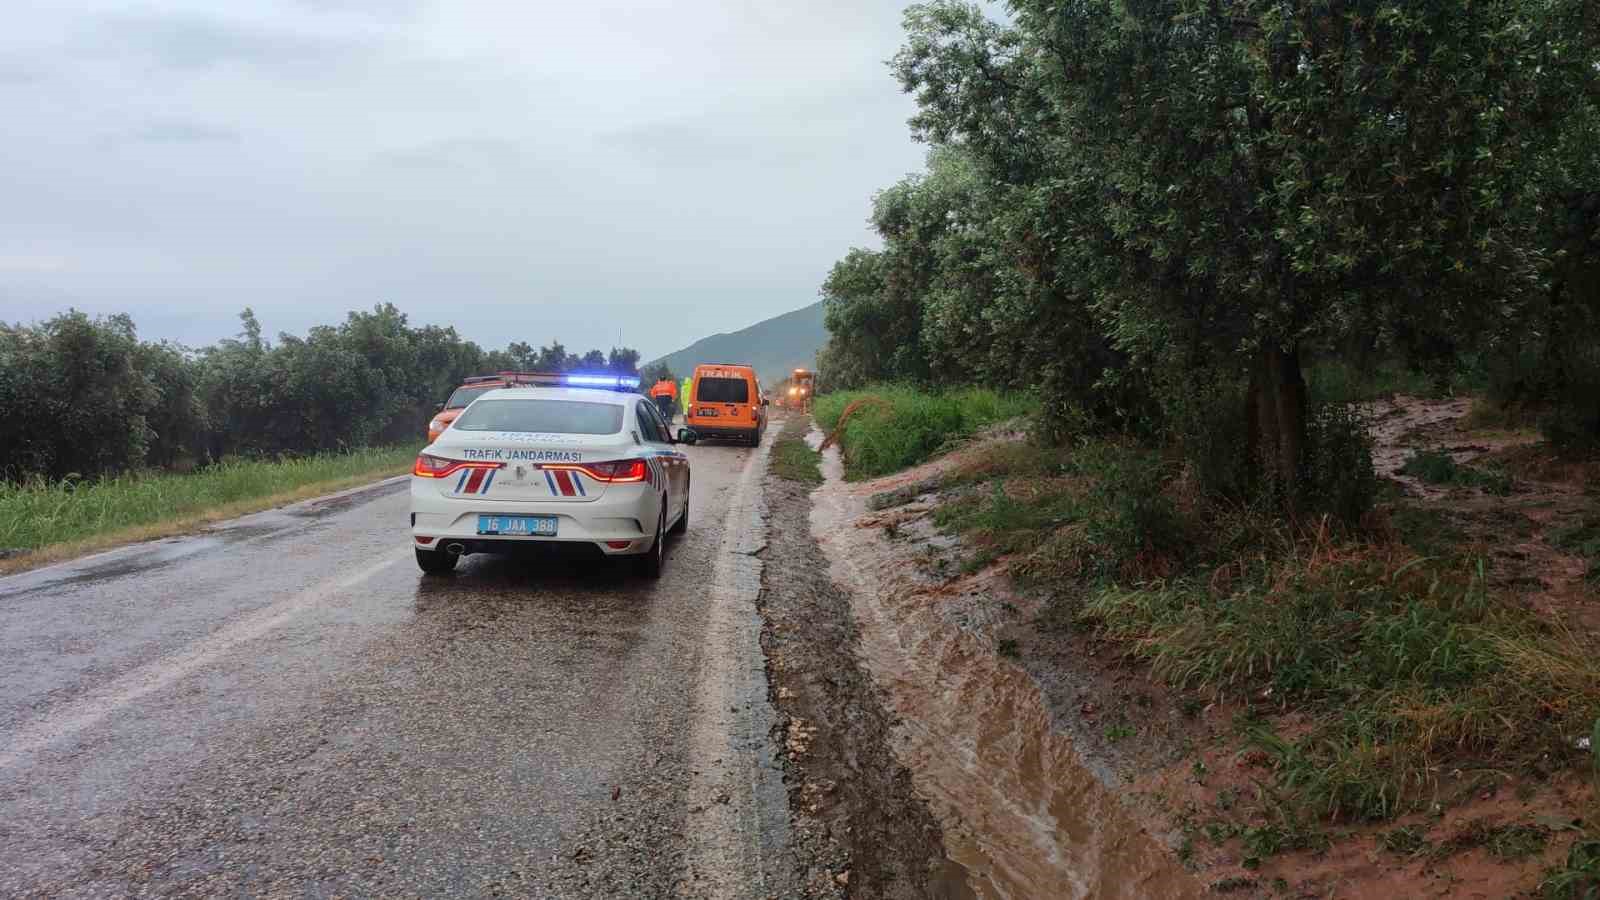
column 1401, row 668
column 1406, row 667
column 37, row 514
column 909, row 426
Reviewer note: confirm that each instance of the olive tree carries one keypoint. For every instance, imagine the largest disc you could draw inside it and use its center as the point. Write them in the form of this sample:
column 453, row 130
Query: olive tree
column 1240, row 181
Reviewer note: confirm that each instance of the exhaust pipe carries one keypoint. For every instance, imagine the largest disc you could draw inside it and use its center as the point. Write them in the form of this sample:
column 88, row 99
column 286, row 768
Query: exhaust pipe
column 455, row 548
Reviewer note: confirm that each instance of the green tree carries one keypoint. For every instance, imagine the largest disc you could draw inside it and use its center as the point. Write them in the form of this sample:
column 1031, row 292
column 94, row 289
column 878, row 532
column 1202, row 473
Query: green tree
column 73, row 397
column 623, row 360
column 1235, row 183
column 656, row 372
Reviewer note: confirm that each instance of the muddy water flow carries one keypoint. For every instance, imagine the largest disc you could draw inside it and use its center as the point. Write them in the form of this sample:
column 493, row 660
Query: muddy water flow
column 1020, row 810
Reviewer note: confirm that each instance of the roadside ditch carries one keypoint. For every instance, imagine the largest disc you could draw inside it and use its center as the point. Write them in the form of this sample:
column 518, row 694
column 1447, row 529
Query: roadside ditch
column 859, row 827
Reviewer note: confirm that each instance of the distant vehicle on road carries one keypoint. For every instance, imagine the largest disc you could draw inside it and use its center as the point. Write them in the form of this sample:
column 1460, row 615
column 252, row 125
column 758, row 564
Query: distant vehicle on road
column 568, row 459
column 802, row 386
column 726, row 402
column 471, row 389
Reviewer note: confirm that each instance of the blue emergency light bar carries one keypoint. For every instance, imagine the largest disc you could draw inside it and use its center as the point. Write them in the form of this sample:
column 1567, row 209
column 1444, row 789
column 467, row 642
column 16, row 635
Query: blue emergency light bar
column 613, row 382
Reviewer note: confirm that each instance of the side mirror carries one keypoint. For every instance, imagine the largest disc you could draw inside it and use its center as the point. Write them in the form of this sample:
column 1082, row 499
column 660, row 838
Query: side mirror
column 687, row 436
column 439, row 408
column 765, row 401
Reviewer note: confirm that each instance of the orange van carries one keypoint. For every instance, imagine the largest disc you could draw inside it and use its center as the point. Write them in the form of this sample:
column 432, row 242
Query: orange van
column 725, row 401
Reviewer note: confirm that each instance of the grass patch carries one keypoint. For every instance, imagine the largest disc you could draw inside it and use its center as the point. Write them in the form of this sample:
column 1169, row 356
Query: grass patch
column 54, row 520
column 1097, row 510
column 1406, row 667
column 893, row 427
column 1582, row 538
column 793, row 460
column 1407, row 841
column 1579, row 877
column 1434, row 467
column 1428, row 531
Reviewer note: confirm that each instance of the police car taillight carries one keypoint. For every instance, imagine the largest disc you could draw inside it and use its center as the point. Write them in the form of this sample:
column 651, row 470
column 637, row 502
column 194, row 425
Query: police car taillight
column 623, row 471
column 438, row 467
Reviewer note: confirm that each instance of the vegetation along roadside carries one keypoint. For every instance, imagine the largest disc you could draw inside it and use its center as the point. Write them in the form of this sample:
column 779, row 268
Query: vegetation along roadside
column 45, row 521
column 1431, row 667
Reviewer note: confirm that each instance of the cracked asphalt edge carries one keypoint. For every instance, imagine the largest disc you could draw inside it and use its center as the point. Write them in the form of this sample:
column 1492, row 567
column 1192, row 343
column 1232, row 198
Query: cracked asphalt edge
column 739, row 829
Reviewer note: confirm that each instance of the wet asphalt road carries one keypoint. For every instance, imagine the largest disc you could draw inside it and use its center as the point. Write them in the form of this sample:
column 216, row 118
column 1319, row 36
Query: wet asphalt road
column 285, row 706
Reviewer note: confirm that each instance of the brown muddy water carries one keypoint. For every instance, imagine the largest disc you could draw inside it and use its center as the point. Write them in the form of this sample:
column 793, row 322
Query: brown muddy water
column 1021, row 811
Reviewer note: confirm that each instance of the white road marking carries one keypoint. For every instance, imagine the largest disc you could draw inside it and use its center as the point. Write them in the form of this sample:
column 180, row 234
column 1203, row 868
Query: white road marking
column 91, row 709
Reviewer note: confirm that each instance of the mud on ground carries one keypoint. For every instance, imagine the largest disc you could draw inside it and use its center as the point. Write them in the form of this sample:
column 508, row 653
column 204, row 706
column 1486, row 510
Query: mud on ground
column 1174, row 759
column 859, row 828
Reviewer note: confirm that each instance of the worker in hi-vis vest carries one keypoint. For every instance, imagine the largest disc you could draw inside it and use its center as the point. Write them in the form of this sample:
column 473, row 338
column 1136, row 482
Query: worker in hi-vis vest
column 683, row 399
column 665, row 395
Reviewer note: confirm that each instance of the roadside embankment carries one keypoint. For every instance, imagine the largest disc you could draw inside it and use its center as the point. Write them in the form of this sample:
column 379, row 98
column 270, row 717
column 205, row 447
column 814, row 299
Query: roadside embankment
column 44, row 522
column 1090, row 656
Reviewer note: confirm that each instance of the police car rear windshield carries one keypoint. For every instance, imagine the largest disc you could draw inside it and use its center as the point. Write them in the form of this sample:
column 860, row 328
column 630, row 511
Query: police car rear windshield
column 542, row 416
column 722, row 390
column 466, row 395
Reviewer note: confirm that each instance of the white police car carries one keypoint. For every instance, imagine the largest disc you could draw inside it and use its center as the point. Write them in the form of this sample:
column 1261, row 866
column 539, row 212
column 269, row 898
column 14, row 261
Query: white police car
column 574, row 459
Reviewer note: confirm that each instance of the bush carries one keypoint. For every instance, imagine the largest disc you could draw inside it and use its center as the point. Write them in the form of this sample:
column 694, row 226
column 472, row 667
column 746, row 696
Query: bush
column 893, row 427
column 1128, row 516
column 73, row 398
column 1572, row 424
column 1337, row 473
column 1207, row 419
column 85, row 397
column 1100, row 510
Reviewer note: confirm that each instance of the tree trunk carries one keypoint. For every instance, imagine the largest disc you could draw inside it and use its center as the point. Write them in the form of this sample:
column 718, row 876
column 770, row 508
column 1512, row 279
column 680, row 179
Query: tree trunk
column 1277, row 416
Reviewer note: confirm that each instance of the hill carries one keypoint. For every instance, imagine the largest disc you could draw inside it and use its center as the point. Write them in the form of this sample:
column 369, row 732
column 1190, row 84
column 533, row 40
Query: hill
column 774, row 347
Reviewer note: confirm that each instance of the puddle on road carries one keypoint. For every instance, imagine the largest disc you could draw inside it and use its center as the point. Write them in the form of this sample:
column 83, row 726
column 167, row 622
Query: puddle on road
column 1021, row 811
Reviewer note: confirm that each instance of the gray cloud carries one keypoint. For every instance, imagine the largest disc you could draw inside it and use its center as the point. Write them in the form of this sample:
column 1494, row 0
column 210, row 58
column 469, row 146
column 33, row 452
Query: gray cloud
column 16, row 72
column 199, row 41
column 456, row 153
column 178, row 131
column 386, row 10
column 523, row 171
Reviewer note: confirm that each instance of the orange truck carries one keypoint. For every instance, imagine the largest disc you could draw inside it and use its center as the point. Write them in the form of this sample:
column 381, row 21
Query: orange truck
column 725, row 401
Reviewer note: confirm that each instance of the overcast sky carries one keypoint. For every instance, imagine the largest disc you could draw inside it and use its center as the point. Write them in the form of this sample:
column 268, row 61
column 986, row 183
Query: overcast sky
column 521, row 169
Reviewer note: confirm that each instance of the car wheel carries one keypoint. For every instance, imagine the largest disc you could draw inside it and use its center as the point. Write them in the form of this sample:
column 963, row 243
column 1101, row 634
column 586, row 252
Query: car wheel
column 436, row 562
column 651, row 563
column 682, row 525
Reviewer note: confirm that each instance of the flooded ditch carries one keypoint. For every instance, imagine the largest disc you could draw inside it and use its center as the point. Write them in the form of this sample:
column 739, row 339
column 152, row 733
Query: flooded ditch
column 1019, row 807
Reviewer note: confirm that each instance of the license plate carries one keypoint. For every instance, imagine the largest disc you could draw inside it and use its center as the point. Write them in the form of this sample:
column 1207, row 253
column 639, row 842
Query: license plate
column 708, row 413
column 527, row 526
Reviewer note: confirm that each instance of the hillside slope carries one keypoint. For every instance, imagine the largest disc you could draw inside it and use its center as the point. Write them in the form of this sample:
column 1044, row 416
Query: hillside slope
column 774, row 347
